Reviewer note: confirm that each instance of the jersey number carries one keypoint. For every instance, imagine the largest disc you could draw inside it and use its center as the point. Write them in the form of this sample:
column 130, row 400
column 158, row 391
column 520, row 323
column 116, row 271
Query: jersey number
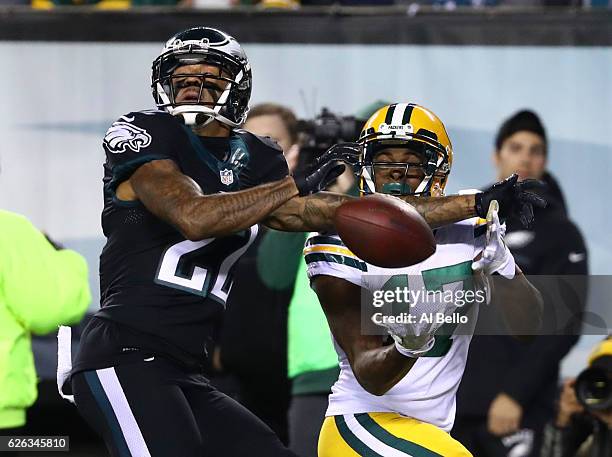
column 434, row 279
column 202, row 267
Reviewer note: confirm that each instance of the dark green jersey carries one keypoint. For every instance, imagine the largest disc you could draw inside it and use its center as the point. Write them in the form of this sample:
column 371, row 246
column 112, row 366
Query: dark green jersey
column 162, row 292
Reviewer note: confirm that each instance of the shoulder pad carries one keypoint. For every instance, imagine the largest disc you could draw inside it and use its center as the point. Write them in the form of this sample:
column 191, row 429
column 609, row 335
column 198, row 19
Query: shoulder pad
column 152, row 130
column 265, row 140
column 147, row 118
column 150, row 114
column 331, row 250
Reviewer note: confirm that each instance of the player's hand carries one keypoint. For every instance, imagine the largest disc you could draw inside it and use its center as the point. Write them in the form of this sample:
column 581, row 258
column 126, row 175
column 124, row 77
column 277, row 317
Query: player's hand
column 324, row 173
column 348, row 153
column 514, row 197
column 407, row 342
column 568, row 404
column 412, row 345
column 496, row 257
column 504, row 416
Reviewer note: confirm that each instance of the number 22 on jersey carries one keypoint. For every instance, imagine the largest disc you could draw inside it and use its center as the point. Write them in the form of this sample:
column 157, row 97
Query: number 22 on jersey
column 203, row 267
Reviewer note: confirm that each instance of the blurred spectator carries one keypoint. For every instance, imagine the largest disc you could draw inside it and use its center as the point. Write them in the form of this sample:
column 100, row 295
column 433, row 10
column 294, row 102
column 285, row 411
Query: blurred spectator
column 278, row 123
column 257, row 309
column 348, row 2
column 279, row 4
column 584, row 428
column 509, row 388
column 100, row 4
column 114, row 4
column 41, row 287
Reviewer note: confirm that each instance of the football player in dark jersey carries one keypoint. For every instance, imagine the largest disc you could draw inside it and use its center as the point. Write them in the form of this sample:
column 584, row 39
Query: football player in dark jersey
column 184, row 190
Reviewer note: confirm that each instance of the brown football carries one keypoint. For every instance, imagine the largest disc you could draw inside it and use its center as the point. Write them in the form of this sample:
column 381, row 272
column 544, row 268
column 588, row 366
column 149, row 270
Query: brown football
column 384, row 231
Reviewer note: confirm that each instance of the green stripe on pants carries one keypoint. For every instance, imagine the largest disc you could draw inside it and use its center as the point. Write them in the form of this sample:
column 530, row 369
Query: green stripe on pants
column 350, row 439
column 391, row 440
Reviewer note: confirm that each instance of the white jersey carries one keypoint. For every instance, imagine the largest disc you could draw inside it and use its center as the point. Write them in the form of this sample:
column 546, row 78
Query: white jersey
column 427, row 392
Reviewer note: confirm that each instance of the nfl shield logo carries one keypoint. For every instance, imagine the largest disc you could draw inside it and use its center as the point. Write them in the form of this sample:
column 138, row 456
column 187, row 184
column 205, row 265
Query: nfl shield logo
column 227, row 177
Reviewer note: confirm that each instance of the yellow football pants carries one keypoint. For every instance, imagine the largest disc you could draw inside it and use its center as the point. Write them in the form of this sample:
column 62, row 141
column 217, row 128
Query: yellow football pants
column 385, row 434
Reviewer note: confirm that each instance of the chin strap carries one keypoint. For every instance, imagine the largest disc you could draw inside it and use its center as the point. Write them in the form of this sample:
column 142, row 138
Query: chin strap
column 192, row 116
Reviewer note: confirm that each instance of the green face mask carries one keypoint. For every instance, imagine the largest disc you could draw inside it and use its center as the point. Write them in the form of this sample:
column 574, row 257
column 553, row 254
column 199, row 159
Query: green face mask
column 396, row 188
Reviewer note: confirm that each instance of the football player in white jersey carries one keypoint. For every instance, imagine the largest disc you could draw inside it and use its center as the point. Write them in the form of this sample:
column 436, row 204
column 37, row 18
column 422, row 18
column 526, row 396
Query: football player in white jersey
column 395, row 395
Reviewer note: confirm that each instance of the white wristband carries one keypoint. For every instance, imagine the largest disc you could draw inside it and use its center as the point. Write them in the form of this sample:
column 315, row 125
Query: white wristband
column 414, row 353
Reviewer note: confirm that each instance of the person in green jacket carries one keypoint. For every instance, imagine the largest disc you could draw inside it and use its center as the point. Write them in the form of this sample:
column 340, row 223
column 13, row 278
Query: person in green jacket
column 41, row 287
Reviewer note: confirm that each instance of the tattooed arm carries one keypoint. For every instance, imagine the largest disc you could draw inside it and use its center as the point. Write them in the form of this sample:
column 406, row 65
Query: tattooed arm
column 438, row 211
column 178, row 200
column 315, row 212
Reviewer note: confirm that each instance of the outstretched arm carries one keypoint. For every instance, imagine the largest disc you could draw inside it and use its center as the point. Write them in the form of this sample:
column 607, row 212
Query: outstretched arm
column 315, row 212
column 377, row 367
column 178, row 200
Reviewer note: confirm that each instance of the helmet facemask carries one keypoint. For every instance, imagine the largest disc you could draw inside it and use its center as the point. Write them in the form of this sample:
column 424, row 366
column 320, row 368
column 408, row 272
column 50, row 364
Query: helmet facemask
column 431, row 169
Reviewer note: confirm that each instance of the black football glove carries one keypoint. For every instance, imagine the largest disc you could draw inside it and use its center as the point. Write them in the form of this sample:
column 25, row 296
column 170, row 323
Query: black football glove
column 343, row 152
column 322, row 176
column 514, row 199
column 327, row 167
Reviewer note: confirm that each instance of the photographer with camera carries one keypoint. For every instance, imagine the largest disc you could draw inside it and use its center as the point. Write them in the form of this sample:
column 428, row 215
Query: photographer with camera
column 583, row 425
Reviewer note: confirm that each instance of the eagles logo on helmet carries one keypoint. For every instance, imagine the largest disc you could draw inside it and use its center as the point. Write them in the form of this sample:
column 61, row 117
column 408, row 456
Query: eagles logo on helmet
column 410, row 126
column 204, row 45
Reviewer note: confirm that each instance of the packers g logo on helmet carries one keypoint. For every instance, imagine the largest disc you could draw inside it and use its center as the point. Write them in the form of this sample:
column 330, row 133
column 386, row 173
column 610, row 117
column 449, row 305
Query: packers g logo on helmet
column 411, row 126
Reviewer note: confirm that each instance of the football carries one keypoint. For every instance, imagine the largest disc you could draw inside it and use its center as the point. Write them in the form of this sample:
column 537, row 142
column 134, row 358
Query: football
column 384, row 231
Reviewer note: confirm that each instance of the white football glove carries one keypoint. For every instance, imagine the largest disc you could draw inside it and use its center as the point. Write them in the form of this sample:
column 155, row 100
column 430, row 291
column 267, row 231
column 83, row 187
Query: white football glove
column 413, row 346
column 496, row 257
column 406, row 342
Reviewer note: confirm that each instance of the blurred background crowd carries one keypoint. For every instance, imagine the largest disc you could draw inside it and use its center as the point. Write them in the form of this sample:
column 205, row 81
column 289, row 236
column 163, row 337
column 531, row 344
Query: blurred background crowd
column 296, row 4
column 542, row 108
